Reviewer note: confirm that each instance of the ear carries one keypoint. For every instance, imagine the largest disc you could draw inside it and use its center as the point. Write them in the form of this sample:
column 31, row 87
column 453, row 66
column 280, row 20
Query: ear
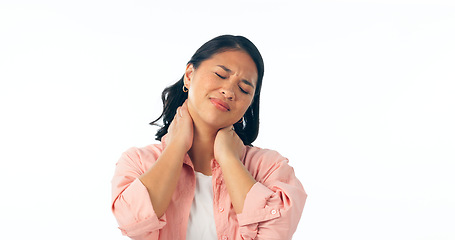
column 189, row 72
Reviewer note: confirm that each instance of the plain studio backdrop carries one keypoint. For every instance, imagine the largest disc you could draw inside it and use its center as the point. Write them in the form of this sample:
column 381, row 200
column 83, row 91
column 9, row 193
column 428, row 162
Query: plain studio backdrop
column 358, row 95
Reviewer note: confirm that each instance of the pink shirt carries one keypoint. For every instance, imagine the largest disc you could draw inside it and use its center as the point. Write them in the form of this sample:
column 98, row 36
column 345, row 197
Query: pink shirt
column 272, row 207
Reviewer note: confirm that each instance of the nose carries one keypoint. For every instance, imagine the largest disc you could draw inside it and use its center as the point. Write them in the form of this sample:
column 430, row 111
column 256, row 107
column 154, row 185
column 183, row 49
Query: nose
column 228, row 94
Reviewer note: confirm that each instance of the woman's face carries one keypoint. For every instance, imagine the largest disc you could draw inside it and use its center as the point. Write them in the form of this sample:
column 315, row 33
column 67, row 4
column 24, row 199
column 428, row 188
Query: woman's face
column 221, row 89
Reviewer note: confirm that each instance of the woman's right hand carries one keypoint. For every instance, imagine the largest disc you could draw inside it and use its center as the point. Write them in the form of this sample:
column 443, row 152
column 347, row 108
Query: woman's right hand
column 180, row 132
column 162, row 177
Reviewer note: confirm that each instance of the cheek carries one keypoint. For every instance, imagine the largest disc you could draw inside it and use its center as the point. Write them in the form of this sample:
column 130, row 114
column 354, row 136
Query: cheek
column 197, row 88
column 203, row 84
column 244, row 105
column 210, row 84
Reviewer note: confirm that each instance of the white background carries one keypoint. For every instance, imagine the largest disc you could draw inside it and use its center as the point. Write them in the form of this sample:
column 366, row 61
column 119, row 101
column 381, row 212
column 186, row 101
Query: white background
column 359, row 95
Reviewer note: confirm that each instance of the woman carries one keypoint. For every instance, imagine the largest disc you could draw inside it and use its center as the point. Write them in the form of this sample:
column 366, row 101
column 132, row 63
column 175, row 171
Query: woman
column 205, row 180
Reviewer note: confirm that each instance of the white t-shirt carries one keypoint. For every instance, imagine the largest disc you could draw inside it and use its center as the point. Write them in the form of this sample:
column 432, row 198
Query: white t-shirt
column 201, row 224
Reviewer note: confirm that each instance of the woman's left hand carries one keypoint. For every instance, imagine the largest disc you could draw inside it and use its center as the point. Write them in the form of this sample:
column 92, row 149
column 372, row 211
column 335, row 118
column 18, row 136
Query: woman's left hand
column 228, row 153
column 227, row 145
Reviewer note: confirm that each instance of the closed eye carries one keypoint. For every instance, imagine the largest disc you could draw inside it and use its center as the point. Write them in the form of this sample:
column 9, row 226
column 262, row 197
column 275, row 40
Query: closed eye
column 220, row 76
column 241, row 89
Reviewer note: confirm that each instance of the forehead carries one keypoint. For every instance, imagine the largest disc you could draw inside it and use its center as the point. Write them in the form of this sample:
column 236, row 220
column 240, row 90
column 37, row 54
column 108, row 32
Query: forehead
column 239, row 62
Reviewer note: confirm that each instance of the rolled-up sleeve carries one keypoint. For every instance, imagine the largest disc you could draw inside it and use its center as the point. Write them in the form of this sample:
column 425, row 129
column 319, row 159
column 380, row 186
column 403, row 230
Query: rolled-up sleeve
column 273, row 206
column 131, row 203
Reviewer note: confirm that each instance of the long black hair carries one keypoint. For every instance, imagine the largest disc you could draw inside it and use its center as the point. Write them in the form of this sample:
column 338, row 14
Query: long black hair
column 173, row 96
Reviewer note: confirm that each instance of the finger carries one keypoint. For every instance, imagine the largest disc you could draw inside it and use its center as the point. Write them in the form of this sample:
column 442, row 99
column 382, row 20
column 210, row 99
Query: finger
column 229, row 128
column 184, row 110
column 171, row 126
column 185, row 105
column 232, row 130
column 179, row 111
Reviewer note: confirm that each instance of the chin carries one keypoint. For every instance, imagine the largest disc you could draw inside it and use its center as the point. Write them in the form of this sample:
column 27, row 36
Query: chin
column 216, row 121
column 217, row 124
column 212, row 117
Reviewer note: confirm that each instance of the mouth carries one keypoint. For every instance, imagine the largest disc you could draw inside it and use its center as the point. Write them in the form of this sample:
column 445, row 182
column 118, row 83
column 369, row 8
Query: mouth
column 220, row 105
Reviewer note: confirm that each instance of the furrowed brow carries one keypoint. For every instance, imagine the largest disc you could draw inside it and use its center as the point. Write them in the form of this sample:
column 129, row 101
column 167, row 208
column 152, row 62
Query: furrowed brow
column 247, row 83
column 225, row 68
column 229, row 71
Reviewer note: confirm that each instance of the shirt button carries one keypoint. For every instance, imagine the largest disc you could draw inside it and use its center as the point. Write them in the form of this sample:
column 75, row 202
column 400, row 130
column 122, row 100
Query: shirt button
column 273, row 212
column 224, row 238
column 221, row 209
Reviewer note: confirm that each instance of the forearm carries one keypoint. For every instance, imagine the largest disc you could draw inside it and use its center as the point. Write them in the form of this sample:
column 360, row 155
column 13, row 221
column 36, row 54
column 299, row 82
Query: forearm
column 162, row 178
column 238, row 181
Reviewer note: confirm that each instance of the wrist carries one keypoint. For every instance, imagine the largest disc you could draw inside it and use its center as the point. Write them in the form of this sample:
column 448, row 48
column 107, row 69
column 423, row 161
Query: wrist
column 226, row 159
column 176, row 150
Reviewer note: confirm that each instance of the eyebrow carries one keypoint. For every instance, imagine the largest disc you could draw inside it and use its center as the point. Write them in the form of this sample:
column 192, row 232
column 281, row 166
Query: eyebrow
column 229, row 71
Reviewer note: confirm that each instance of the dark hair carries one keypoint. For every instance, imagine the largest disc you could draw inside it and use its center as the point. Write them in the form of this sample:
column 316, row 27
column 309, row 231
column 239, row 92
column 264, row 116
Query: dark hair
column 173, row 96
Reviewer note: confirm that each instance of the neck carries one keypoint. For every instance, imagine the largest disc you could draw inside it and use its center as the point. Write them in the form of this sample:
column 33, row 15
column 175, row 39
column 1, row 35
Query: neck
column 201, row 152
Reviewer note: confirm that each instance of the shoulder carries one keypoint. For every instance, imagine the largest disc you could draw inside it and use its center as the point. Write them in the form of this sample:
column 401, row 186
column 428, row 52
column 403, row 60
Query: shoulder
column 263, row 155
column 142, row 156
column 266, row 163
